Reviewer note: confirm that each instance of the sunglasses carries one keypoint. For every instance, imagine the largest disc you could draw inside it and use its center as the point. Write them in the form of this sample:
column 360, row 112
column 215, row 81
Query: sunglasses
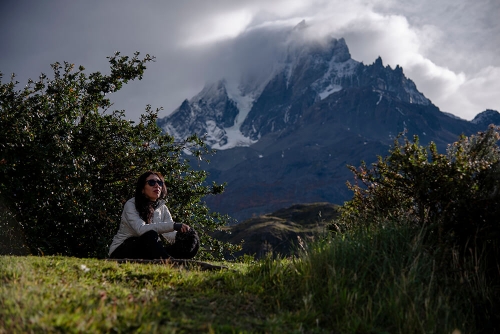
column 153, row 182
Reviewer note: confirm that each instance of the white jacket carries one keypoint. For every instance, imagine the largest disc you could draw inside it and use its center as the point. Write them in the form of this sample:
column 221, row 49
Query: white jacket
column 132, row 225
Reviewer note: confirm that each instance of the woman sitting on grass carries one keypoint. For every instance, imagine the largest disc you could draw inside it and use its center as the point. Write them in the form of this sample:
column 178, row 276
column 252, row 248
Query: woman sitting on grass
column 147, row 230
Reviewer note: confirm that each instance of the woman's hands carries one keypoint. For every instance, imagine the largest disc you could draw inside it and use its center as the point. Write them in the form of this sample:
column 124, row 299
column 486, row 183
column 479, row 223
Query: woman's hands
column 184, row 228
column 180, row 227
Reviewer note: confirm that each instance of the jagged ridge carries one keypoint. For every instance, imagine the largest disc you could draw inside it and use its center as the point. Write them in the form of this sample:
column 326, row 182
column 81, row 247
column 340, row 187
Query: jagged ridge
column 307, row 74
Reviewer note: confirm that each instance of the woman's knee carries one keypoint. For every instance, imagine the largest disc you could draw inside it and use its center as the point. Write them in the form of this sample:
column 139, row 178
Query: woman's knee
column 151, row 235
column 186, row 245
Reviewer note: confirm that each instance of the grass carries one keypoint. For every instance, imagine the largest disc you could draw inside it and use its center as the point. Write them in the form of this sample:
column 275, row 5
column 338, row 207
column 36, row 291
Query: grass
column 365, row 282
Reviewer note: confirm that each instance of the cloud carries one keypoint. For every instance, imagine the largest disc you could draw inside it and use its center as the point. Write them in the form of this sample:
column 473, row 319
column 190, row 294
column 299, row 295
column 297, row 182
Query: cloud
column 219, row 27
column 449, row 47
column 405, row 40
column 479, row 91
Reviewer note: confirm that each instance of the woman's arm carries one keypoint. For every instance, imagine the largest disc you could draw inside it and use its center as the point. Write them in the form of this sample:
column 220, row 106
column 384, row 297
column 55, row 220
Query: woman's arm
column 131, row 217
column 167, row 217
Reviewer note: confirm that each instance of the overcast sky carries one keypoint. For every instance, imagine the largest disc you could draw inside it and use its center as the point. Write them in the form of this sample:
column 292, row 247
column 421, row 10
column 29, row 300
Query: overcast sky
column 449, row 48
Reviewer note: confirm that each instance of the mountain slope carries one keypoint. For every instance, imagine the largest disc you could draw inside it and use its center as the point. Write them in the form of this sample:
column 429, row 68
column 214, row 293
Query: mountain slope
column 289, row 138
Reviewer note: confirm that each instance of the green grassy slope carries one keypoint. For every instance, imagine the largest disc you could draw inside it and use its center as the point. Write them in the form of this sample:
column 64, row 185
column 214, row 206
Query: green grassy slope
column 367, row 282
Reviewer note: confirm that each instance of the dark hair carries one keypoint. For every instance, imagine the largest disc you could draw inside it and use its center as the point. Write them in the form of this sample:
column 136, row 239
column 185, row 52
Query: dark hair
column 143, row 205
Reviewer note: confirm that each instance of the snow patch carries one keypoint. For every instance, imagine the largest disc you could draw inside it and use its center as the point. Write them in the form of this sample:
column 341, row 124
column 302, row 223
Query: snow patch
column 332, row 88
column 243, row 102
column 286, row 118
column 214, row 133
column 234, row 139
column 332, row 79
column 233, row 134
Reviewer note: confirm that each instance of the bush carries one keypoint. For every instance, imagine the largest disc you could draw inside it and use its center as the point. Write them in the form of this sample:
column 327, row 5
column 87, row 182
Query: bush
column 68, row 163
column 453, row 197
column 452, row 200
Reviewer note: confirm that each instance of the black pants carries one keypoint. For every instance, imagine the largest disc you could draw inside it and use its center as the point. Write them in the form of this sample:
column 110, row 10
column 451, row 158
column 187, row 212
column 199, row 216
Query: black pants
column 149, row 246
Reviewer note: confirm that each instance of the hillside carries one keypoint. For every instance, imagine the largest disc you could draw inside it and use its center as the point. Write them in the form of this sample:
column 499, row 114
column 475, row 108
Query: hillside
column 282, row 231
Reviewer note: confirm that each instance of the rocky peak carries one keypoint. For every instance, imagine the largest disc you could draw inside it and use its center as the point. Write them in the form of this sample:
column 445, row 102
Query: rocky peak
column 486, row 118
column 313, row 69
column 206, row 114
column 211, row 92
column 300, row 26
column 305, row 72
column 390, row 83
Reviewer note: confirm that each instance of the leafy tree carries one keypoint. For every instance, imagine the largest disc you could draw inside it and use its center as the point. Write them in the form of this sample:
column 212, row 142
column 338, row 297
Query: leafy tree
column 68, row 163
column 454, row 197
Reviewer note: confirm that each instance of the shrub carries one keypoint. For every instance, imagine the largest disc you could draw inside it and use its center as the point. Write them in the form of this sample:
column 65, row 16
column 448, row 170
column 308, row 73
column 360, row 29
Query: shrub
column 68, row 163
column 452, row 200
column 453, row 197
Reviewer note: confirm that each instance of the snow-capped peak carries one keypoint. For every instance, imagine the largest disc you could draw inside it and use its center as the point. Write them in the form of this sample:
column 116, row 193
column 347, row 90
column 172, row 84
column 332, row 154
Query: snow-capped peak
column 211, row 91
column 487, row 117
column 271, row 97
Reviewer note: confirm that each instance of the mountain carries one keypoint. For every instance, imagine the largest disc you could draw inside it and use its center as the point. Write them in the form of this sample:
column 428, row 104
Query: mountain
column 486, row 118
column 286, row 136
